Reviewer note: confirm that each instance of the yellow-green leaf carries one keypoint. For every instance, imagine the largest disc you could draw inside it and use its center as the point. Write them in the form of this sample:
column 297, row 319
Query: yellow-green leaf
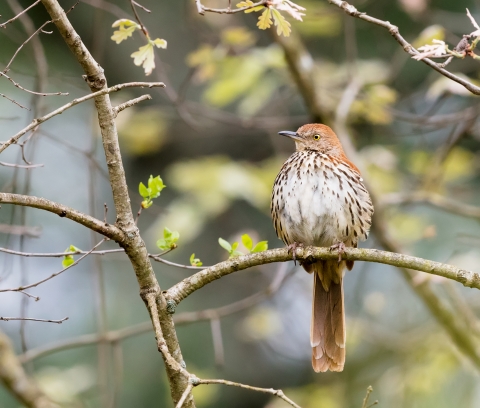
column 264, row 21
column 249, row 3
column 126, row 29
column 145, row 57
column 283, row 26
column 160, row 43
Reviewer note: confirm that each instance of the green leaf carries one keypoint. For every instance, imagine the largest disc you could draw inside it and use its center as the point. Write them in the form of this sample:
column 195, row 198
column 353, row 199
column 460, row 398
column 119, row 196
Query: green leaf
column 264, row 21
column 169, row 240
column 247, row 241
column 234, row 246
column 195, row 261
column 225, row 245
column 261, row 246
column 283, row 26
column 143, row 190
column 67, row 261
column 155, row 186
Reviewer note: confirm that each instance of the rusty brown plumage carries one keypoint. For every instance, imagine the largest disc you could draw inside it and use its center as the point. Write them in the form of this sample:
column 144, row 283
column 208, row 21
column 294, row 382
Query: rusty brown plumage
column 319, row 199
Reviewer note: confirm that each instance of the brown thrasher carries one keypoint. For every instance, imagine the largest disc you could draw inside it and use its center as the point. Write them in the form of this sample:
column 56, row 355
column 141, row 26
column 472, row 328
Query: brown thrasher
column 319, row 199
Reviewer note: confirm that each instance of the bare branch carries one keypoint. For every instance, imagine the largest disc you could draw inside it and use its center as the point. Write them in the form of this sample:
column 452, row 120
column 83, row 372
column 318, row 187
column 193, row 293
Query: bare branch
column 18, row 15
column 407, row 47
column 108, row 230
column 202, row 9
column 6, row 319
column 435, row 200
column 21, row 166
column 116, row 336
column 14, row 101
column 128, row 104
column 63, row 108
column 277, row 393
column 5, row 70
column 16, row 380
column 186, row 287
column 22, row 288
column 32, row 92
column 32, row 232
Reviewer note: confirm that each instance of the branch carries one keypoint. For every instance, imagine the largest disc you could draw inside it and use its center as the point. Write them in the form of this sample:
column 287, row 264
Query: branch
column 16, row 380
column 407, row 47
column 277, row 393
column 129, row 104
column 22, row 288
column 116, row 336
column 202, row 9
column 435, row 200
column 6, row 319
column 108, row 230
column 132, row 242
column 189, row 285
column 63, row 108
column 18, row 15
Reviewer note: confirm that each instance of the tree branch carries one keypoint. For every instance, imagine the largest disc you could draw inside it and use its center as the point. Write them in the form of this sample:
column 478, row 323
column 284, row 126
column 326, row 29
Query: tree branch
column 108, row 230
column 16, row 380
column 189, row 285
column 132, row 241
column 63, row 108
column 407, row 47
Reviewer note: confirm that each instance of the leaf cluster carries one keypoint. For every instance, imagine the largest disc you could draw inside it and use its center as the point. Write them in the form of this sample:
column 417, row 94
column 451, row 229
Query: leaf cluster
column 155, row 186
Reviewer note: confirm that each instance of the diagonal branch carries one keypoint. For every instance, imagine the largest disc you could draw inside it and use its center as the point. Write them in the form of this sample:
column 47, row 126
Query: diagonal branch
column 407, row 47
column 63, row 108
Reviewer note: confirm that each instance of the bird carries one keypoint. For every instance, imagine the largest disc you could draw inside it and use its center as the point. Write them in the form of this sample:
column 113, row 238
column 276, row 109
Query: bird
column 319, row 199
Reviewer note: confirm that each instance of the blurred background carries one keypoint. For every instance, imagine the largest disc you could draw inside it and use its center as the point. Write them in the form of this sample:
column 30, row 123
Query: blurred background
column 212, row 137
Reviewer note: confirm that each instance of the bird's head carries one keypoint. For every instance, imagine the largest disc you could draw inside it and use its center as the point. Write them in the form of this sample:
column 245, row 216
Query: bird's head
column 316, row 137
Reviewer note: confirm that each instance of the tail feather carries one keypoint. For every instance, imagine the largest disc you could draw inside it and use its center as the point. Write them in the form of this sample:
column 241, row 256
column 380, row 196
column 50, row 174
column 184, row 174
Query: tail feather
column 327, row 331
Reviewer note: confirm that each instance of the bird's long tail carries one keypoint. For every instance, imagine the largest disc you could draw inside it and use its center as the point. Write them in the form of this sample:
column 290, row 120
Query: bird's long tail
column 327, row 330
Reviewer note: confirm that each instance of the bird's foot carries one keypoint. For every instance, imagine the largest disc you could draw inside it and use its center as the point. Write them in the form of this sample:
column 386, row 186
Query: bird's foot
column 292, row 248
column 340, row 247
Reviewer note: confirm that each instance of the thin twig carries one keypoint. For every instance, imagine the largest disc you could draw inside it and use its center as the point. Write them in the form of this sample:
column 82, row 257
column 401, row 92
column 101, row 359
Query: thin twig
column 6, row 319
column 201, row 8
column 22, row 288
column 14, row 101
column 277, row 393
column 184, row 396
column 32, row 92
column 128, row 104
column 21, row 166
column 25, row 42
column 18, row 15
column 407, row 47
column 63, row 108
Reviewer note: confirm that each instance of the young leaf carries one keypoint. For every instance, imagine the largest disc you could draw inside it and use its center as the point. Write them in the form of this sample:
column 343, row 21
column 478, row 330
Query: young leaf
column 249, row 3
column 125, row 30
column 261, row 246
column 169, row 240
column 160, row 43
column 247, row 241
column 195, row 261
column 283, row 26
column 145, row 57
column 264, row 21
column 67, row 261
column 142, row 189
column 234, row 246
column 225, row 245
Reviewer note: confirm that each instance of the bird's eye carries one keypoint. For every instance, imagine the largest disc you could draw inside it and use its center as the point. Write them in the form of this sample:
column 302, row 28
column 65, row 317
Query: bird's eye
column 316, row 137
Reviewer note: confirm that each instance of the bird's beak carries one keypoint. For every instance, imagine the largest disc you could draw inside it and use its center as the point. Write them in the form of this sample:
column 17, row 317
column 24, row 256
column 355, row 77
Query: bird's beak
column 292, row 135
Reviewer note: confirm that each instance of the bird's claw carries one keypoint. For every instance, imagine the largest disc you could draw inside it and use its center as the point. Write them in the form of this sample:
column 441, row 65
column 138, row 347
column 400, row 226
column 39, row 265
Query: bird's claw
column 292, row 248
column 340, row 246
